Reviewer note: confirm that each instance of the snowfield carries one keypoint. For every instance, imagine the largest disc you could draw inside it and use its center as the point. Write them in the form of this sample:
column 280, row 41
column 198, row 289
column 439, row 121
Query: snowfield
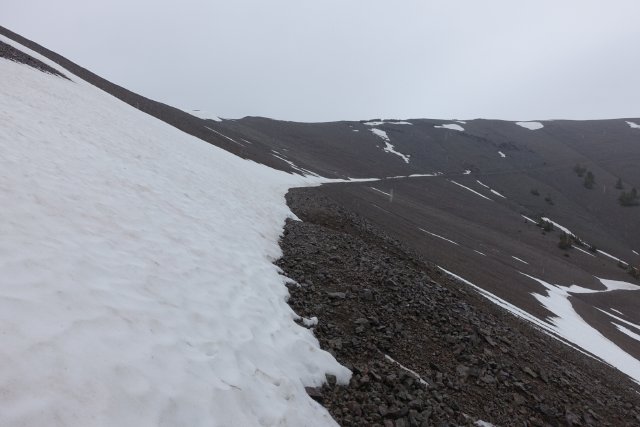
column 136, row 278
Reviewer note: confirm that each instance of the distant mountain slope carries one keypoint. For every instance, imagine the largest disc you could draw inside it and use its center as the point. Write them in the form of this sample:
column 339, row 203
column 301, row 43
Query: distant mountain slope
column 466, row 195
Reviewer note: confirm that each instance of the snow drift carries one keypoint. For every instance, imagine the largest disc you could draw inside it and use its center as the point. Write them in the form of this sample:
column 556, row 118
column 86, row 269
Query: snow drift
column 136, row 278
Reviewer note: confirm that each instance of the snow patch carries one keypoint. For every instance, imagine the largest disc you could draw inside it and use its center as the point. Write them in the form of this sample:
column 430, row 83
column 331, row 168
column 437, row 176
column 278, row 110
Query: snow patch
column 484, row 185
column 569, row 325
column 633, row 125
column 611, row 256
column 583, row 251
column 225, row 136
column 380, row 191
column 635, row 252
column 451, row 126
column 467, row 188
column 497, row 194
column 627, row 332
column 518, row 259
column 502, row 154
column 479, row 252
column 389, row 148
column 466, row 172
column 204, row 115
column 404, row 368
column 530, row 125
column 620, row 319
column 438, row 236
column 529, row 219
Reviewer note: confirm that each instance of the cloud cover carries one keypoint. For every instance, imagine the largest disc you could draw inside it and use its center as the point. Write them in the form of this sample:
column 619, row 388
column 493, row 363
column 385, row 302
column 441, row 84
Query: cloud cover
column 331, row 60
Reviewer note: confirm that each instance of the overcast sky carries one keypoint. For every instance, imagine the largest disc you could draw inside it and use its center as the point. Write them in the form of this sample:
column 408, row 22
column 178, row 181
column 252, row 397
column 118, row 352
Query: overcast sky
column 339, row 59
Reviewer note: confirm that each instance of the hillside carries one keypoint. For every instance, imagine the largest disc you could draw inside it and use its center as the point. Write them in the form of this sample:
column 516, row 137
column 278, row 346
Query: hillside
column 139, row 264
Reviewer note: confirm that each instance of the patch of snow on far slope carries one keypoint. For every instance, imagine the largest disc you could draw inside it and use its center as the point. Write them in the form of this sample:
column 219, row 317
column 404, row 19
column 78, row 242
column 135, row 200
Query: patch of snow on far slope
column 502, row 303
column 518, row 259
column 569, row 325
column 380, row 191
column 438, row 236
column 136, row 276
column 378, row 123
column 530, row 125
column 480, row 423
column 484, row 185
column 583, row 251
column 529, row 219
column 620, row 319
column 627, row 332
column 635, row 252
column 466, row 172
column 404, row 368
column 451, row 126
column 611, row 256
column 558, row 226
column 479, row 252
column 224, row 136
column 497, row 194
column 389, row 148
column 204, row 115
column 502, row 154
column 617, row 311
column 633, row 125
column 467, row 188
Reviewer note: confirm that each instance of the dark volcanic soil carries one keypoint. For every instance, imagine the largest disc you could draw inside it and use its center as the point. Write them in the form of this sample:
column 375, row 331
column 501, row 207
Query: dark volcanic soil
column 13, row 54
column 374, row 299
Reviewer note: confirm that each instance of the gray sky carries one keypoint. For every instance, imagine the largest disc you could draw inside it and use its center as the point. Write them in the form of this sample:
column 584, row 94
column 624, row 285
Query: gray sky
column 338, row 59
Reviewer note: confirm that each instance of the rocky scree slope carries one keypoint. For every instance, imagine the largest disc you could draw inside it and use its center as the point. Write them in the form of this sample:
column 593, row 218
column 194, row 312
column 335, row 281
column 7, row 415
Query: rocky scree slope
column 424, row 349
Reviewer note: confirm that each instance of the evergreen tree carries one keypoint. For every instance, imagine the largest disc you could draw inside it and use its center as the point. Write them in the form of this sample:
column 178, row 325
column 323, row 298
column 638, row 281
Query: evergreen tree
column 589, row 180
column 629, row 198
column 565, row 241
column 619, row 185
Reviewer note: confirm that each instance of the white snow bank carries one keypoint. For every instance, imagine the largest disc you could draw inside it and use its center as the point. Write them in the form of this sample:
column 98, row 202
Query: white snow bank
column 530, row 125
column 502, row 154
column 451, row 126
column 467, row 188
column 569, row 325
column 389, row 148
column 438, row 236
column 633, row 125
column 136, row 278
